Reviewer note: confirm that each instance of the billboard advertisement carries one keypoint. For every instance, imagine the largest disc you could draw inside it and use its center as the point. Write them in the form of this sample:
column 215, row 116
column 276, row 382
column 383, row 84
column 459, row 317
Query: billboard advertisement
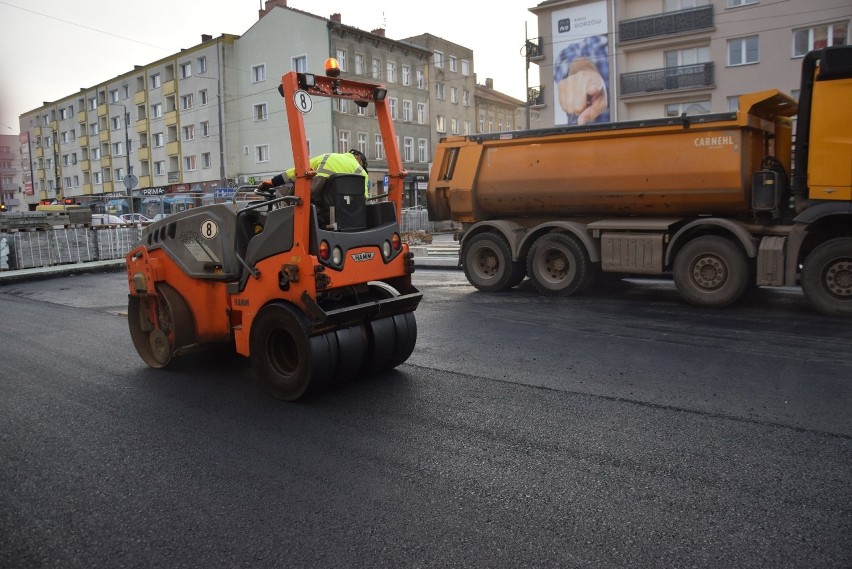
column 581, row 64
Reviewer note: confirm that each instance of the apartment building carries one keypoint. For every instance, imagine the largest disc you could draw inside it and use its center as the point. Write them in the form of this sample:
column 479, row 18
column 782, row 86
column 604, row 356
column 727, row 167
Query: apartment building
column 11, row 191
column 210, row 117
column 661, row 58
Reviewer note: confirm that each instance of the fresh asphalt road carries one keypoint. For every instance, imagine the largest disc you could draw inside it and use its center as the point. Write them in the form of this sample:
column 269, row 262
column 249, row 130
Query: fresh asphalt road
column 621, row 429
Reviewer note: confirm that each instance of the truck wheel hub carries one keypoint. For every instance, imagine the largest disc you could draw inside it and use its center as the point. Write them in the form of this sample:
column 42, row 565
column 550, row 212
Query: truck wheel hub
column 709, row 272
column 838, row 278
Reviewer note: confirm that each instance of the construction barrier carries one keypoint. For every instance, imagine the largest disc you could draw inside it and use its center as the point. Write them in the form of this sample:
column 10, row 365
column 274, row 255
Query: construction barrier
column 58, row 246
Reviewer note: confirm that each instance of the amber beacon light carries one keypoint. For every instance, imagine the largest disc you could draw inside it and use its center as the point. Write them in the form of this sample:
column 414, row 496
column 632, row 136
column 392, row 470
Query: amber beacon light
column 332, row 68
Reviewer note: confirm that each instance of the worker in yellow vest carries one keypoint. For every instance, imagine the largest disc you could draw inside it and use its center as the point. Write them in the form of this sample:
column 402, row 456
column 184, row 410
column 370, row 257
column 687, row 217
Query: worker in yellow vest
column 352, row 162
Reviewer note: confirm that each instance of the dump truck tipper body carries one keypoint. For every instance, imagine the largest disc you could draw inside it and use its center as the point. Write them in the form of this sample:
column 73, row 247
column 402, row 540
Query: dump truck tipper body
column 722, row 201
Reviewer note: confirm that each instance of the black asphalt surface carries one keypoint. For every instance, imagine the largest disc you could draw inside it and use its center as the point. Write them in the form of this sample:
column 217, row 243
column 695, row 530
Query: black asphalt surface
column 615, row 430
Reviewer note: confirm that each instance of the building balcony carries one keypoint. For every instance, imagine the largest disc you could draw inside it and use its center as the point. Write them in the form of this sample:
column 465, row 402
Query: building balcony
column 142, row 125
column 669, row 23
column 173, row 148
column 83, row 140
column 144, row 153
column 668, row 79
column 108, row 187
column 170, row 118
column 139, row 98
column 85, row 165
column 103, row 136
column 39, row 152
column 87, row 189
column 535, row 96
column 144, row 181
column 169, row 87
column 103, row 110
column 174, row 177
column 81, row 116
column 106, row 162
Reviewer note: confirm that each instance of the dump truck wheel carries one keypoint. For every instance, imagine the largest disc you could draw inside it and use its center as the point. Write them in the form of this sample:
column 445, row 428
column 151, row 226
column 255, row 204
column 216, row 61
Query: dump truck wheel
column 283, row 354
column 159, row 324
column 488, row 264
column 827, row 277
column 558, row 265
column 711, row 272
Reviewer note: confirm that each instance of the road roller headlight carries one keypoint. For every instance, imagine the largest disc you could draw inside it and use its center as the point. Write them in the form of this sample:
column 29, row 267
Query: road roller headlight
column 337, row 256
column 386, row 249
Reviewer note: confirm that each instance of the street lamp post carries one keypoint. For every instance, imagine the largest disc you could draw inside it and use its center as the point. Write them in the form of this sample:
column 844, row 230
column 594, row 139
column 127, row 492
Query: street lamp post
column 126, row 154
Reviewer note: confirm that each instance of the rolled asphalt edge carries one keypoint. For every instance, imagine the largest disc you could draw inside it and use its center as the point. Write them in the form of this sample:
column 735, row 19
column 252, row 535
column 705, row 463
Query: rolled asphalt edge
column 425, row 256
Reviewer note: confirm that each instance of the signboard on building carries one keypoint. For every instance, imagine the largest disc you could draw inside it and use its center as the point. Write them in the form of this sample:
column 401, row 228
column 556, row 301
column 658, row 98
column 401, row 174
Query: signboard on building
column 26, row 164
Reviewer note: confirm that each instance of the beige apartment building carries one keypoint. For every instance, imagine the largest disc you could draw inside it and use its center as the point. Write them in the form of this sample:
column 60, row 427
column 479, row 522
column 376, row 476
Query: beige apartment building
column 667, row 57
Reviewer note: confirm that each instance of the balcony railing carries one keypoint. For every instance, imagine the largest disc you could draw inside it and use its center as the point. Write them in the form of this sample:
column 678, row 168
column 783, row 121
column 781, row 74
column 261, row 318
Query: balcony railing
column 666, row 24
column 668, row 79
column 535, row 96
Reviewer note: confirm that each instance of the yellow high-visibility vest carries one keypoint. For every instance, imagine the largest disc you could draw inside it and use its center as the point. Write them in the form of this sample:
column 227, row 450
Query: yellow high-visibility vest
column 335, row 163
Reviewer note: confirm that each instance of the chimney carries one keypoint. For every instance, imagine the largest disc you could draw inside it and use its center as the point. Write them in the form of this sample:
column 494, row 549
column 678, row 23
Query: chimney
column 336, row 18
column 206, row 37
column 270, row 4
column 489, row 83
column 379, row 32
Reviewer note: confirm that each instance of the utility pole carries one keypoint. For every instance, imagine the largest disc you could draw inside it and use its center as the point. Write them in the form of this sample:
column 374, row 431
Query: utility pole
column 56, row 174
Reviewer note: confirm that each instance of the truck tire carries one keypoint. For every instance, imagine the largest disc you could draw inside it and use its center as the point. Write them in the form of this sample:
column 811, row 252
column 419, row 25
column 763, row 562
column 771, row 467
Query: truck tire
column 711, row 272
column 558, row 265
column 282, row 352
column 488, row 264
column 827, row 277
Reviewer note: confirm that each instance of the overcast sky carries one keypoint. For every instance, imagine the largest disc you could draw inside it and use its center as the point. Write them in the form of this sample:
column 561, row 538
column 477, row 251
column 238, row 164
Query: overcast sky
column 52, row 48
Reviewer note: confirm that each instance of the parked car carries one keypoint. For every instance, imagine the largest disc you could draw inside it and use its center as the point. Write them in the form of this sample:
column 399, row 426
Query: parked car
column 135, row 218
column 106, row 219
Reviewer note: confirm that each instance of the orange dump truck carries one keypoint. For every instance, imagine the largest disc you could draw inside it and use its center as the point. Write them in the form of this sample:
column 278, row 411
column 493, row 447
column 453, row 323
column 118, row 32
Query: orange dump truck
column 723, row 202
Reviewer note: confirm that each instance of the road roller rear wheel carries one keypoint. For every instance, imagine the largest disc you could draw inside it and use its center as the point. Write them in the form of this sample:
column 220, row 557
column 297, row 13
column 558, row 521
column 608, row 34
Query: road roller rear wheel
column 283, row 354
column 391, row 340
column 159, row 324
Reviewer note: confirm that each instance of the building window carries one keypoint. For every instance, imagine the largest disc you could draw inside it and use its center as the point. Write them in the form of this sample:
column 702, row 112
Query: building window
column 392, row 105
column 95, row 152
column 155, row 81
column 677, row 5
column 205, row 129
column 205, row 160
column 343, row 105
column 362, row 143
column 818, row 37
column 202, row 64
column 441, row 123
column 186, row 102
column 439, row 59
column 258, row 73
column 189, row 132
column 453, row 63
column 738, row 3
column 421, row 113
column 422, row 150
column 343, row 141
column 439, row 91
column 160, row 168
column 408, row 149
column 465, row 68
column 454, row 95
column 466, row 98
column 185, row 70
column 743, row 51
column 189, row 163
column 377, row 68
column 406, row 111
column 406, row 75
column 360, row 64
column 118, row 149
column 93, row 104
column 694, row 108
column 118, row 174
column 391, row 78
column 260, row 112
column 157, row 140
column 341, row 59
column 300, row 64
column 261, row 153
column 113, row 96
column 97, row 177
column 733, row 103
column 380, row 147
column 454, row 126
column 421, row 82
column 157, row 110
column 116, row 123
column 202, row 96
